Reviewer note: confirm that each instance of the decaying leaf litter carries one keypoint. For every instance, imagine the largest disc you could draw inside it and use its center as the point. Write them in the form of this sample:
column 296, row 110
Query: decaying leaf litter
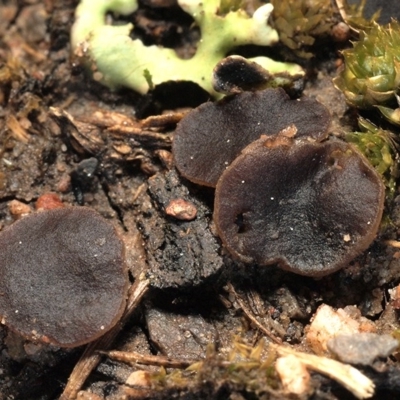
column 66, row 134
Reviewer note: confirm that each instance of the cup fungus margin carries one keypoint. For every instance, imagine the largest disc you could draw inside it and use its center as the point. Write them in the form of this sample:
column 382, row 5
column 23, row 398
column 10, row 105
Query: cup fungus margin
column 325, row 232
column 63, row 276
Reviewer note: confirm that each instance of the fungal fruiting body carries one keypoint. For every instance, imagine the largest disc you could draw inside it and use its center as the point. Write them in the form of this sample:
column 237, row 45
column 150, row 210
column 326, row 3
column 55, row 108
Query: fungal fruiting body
column 210, row 137
column 284, row 194
column 63, row 278
column 309, row 207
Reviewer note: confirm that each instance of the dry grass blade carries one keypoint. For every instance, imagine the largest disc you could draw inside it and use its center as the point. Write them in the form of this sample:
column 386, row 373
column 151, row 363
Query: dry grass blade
column 132, row 357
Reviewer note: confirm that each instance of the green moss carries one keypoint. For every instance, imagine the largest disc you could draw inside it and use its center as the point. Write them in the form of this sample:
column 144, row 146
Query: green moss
column 246, row 367
column 371, row 75
column 300, row 22
column 355, row 15
column 380, row 148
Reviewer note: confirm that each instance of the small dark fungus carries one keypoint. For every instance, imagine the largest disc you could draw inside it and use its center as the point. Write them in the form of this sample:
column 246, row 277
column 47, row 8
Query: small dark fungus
column 63, row 278
column 309, row 207
column 235, row 74
column 210, row 137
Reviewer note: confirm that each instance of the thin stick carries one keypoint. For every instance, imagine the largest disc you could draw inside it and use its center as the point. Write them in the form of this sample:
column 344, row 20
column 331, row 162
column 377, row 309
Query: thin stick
column 252, row 318
column 90, row 357
column 132, row 357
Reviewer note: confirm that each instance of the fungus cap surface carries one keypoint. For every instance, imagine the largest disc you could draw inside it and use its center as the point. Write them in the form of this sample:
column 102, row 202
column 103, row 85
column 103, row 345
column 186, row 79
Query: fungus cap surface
column 63, row 278
column 234, row 74
column 310, row 207
column 210, row 137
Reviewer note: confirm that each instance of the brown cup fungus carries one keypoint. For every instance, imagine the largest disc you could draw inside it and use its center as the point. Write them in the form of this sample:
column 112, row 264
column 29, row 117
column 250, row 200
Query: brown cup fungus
column 310, row 207
column 210, row 137
column 63, row 278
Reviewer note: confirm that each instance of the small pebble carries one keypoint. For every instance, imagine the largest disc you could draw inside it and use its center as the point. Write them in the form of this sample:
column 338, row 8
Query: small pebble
column 48, row 201
column 64, row 184
column 18, row 209
column 181, row 209
column 328, row 323
column 361, row 348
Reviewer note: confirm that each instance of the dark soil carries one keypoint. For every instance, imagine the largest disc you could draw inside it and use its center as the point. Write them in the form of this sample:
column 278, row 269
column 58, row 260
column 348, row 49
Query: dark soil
column 63, row 133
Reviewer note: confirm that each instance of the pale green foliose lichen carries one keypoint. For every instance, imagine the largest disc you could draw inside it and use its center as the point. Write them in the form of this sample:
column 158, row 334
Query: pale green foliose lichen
column 120, row 61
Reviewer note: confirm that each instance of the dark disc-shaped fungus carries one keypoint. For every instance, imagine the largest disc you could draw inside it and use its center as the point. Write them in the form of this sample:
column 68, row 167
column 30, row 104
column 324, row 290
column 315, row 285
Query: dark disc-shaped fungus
column 235, row 74
column 310, row 207
column 210, row 137
column 63, row 278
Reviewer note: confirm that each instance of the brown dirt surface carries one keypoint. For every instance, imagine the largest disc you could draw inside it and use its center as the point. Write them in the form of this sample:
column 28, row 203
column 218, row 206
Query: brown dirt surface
column 63, row 133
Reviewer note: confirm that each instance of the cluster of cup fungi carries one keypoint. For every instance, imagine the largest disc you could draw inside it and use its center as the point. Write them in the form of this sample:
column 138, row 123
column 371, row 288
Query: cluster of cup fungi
column 285, row 194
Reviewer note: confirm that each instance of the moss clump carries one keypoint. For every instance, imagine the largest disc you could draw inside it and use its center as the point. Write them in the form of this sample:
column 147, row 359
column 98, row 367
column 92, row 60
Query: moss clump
column 300, row 22
column 379, row 146
column 247, row 368
column 353, row 14
column 371, row 75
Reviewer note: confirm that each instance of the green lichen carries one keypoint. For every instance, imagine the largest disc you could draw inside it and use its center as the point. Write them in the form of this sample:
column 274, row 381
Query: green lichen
column 226, row 6
column 117, row 60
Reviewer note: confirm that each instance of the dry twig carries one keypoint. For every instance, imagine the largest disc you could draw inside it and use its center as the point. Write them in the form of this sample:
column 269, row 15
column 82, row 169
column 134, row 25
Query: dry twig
column 132, row 357
column 351, row 378
column 252, row 318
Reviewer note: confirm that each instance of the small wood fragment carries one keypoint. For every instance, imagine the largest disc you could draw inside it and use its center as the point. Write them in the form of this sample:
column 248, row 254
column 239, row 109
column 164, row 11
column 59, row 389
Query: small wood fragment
column 132, row 357
column 16, row 129
column 293, row 374
column 393, row 243
column 351, row 378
